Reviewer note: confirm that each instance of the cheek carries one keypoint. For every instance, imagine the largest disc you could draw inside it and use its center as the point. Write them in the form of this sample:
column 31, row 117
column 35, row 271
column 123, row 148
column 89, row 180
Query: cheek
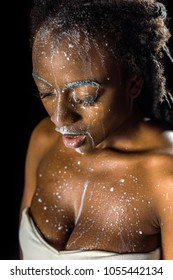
column 109, row 114
column 117, row 107
column 49, row 105
column 95, row 122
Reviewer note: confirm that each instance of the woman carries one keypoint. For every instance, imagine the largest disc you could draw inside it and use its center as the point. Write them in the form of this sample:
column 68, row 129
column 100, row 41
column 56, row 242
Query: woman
column 99, row 168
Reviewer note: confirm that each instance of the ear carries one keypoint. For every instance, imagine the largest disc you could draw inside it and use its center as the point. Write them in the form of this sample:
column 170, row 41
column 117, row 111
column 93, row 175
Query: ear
column 135, row 84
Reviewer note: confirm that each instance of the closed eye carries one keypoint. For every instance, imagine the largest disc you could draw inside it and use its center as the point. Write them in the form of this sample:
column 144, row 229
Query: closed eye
column 85, row 95
column 42, row 95
column 87, row 100
column 46, row 94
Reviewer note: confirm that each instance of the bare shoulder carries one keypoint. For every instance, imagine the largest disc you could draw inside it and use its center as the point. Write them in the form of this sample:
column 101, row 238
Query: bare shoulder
column 160, row 162
column 44, row 132
column 41, row 140
column 168, row 138
column 43, row 136
column 163, row 198
column 159, row 167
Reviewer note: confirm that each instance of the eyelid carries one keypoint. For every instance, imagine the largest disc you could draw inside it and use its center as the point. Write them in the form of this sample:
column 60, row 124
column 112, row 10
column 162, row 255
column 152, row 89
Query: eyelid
column 87, row 99
column 87, row 90
column 43, row 95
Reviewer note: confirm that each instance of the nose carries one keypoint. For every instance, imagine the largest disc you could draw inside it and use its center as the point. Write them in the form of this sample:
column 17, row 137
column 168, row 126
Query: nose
column 64, row 114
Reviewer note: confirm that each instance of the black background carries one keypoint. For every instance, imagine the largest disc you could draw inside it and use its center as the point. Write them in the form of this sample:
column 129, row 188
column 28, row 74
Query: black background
column 21, row 110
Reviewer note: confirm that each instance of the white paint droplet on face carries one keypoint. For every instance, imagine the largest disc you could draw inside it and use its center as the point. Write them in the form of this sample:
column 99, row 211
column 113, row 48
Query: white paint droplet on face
column 79, row 151
column 122, row 180
column 60, row 227
column 40, row 200
column 112, row 189
column 45, row 207
column 78, row 162
column 140, row 232
column 47, row 221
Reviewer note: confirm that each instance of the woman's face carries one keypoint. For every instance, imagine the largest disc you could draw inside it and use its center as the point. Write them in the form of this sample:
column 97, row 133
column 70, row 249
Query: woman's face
column 82, row 90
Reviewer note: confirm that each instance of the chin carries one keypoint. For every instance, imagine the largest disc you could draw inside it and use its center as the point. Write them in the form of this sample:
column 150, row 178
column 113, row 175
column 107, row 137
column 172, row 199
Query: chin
column 85, row 149
column 78, row 150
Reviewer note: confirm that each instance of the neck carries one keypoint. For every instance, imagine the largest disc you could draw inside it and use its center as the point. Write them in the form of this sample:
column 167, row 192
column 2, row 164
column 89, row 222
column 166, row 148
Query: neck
column 124, row 137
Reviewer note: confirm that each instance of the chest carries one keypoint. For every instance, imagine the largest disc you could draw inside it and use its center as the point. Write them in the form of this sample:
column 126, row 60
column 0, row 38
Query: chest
column 101, row 201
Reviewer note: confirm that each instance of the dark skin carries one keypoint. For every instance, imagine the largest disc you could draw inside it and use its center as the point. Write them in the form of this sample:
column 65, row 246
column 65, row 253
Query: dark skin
column 110, row 188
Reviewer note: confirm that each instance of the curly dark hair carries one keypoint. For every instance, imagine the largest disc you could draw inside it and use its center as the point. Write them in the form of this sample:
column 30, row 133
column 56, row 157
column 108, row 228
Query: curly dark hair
column 136, row 32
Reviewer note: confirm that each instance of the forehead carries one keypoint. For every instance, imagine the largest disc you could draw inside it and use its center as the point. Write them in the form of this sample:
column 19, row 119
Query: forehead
column 76, row 54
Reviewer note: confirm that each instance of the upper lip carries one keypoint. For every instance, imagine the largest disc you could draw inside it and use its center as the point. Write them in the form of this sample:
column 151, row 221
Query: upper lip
column 65, row 131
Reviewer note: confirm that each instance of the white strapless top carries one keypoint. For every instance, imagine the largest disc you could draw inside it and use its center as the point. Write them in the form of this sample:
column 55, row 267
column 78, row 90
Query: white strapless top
column 34, row 247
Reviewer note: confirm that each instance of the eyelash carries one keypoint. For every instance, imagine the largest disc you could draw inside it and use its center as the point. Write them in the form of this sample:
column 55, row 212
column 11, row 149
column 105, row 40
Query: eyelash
column 43, row 95
column 85, row 102
column 81, row 101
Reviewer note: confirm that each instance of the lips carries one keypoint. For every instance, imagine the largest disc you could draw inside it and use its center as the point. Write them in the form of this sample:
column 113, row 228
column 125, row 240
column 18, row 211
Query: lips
column 73, row 141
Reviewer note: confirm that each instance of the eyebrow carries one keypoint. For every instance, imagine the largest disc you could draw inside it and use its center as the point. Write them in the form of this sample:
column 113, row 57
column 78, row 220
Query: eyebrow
column 41, row 79
column 81, row 83
column 70, row 84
